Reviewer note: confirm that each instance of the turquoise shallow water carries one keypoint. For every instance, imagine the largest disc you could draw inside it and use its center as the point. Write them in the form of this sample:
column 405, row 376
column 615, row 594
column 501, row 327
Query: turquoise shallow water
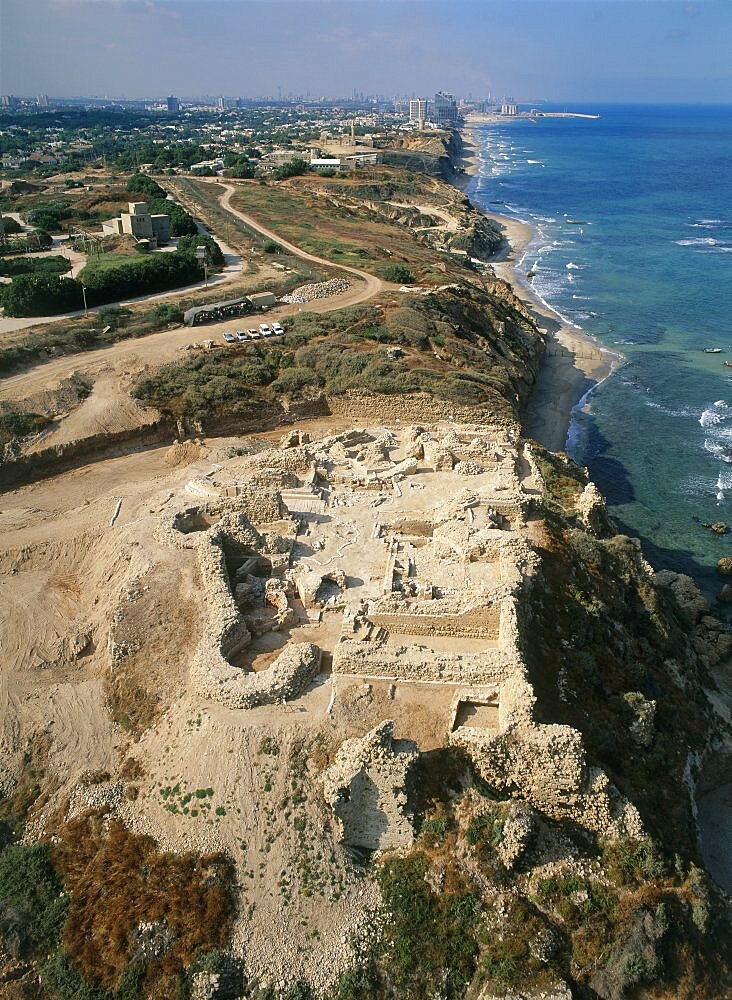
column 648, row 271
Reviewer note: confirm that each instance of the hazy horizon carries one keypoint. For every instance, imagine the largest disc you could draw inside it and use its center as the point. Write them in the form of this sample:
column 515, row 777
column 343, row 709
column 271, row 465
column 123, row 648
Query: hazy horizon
column 648, row 51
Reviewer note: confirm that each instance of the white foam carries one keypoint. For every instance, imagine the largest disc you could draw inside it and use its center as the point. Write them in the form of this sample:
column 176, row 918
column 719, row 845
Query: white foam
column 700, row 241
column 715, row 414
column 573, row 267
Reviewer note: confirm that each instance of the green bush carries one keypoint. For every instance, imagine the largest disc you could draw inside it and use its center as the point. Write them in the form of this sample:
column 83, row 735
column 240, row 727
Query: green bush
column 293, row 168
column 166, row 313
column 141, row 184
column 133, row 276
column 42, row 295
column 429, row 938
column 49, row 215
column 181, row 223
column 32, row 902
column 189, row 244
column 292, row 381
column 63, row 982
column 18, row 423
column 11, row 225
column 398, row 273
column 11, row 267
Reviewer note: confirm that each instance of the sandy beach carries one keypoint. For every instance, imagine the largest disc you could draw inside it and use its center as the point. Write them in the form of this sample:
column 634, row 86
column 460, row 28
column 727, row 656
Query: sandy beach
column 573, row 362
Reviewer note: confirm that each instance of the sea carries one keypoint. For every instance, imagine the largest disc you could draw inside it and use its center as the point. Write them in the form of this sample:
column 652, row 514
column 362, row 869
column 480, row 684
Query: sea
column 633, row 219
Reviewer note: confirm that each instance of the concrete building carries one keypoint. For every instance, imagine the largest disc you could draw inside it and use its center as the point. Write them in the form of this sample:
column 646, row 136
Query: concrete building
column 418, row 111
column 42, row 101
column 509, row 108
column 173, row 104
column 446, row 109
column 214, row 165
column 138, row 222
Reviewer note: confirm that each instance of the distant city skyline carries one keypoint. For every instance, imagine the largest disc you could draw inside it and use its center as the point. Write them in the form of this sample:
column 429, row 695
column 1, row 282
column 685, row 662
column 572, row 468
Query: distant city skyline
column 564, row 50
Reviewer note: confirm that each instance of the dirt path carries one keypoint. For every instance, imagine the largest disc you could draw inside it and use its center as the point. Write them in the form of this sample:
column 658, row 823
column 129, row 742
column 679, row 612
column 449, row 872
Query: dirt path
column 166, row 345
column 373, row 285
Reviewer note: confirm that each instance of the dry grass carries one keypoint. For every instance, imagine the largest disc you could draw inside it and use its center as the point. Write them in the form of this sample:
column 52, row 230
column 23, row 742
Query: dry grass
column 118, row 881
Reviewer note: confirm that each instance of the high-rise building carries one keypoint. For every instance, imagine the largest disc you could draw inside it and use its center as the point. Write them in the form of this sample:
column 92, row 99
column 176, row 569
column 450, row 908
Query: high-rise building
column 446, row 109
column 42, row 100
column 221, row 104
column 173, row 104
column 417, row 111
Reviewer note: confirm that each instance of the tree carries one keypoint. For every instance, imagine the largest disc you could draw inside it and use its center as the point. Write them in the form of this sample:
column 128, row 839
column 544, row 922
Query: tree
column 141, row 184
column 398, row 273
column 42, row 295
column 189, row 244
column 292, row 168
column 10, row 225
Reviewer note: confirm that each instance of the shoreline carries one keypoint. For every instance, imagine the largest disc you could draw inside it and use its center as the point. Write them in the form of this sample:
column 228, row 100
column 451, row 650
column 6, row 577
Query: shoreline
column 574, row 363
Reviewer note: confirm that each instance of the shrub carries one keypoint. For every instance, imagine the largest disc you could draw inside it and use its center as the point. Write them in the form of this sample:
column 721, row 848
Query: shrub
column 293, row 168
column 189, row 245
column 141, row 184
column 33, row 906
column 18, row 423
column 42, row 295
column 166, row 313
column 291, row 381
column 13, row 266
column 113, row 316
column 429, row 938
column 181, row 223
column 49, row 215
column 192, row 894
column 63, row 982
column 11, row 225
column 133, row 276
column 398, row 273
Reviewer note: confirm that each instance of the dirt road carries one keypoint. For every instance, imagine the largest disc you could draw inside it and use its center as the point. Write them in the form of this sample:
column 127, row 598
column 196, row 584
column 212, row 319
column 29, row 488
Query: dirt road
column 373, row 284
column 165, row 346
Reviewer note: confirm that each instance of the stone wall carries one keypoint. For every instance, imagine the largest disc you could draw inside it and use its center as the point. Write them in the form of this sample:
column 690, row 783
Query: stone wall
column 480, row 622
column 366, row 787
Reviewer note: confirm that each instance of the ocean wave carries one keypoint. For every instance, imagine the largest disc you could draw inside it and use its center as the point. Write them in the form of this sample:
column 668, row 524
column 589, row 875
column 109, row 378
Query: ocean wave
column 718, row 450
column 714, row 414
column 573, row 267
column 537, row 162
column 684, row 411
column 699, row 241
column 583, row 298
column 705, row 223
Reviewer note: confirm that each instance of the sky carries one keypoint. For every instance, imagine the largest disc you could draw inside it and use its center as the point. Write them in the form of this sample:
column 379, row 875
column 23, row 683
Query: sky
column 563, row 50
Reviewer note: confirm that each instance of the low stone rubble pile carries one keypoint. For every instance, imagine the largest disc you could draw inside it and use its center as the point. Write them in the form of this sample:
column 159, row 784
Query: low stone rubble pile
column 318, row 290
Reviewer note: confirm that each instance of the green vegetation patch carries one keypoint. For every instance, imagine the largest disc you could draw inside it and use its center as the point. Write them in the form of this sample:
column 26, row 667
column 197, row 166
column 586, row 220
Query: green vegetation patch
column 430, row 938
column 13, row 266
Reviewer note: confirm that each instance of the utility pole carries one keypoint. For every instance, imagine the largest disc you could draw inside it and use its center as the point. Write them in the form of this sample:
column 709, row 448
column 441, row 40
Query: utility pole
column 202, row 255
column 83, row 292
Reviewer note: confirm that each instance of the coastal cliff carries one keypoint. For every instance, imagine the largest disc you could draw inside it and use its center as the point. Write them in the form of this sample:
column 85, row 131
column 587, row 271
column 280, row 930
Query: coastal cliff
column 359, row 694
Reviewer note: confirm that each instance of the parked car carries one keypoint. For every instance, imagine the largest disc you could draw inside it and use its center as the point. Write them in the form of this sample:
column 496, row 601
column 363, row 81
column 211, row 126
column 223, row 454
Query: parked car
column 277, row 329
column 229, row 338
column 252, row 333
column 241, row 336
column 265, row 330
